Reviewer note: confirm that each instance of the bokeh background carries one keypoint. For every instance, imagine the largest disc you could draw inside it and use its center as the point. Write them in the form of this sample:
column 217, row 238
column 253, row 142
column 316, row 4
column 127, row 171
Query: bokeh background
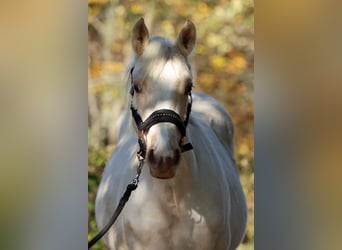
column 44, row 111
column 223, row 65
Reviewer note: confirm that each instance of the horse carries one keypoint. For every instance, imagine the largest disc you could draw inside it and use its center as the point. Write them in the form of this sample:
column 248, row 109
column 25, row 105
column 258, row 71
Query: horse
column 189, row 195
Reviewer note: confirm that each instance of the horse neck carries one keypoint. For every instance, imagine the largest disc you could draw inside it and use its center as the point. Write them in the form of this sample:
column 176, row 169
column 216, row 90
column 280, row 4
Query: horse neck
column 125, row 125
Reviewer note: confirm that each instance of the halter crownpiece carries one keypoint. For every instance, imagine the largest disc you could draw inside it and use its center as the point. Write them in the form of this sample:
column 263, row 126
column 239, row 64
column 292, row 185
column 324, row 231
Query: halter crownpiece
column 159, row 116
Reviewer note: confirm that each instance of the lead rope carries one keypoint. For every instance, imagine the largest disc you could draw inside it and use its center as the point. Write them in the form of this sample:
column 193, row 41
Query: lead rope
column 130, row 187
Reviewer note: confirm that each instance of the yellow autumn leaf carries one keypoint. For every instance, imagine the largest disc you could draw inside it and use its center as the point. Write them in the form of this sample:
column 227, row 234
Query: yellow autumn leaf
column 93, row 12
column 98, row 1
column 207, row 80
column 98, row 87
column 243, row 149
column 237, row 64
column 96, row 69
column 218, row 62
column 203, row 9
column 136, row 8
column 113, row 66
column 200, row 49
column 168, row 27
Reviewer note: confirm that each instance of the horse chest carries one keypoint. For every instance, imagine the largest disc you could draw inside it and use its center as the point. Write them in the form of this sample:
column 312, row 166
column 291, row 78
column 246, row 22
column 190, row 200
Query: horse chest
column 170, row 222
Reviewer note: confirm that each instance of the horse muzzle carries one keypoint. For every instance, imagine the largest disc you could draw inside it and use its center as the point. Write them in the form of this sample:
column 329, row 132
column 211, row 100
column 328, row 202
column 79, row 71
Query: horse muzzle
column 161, row 166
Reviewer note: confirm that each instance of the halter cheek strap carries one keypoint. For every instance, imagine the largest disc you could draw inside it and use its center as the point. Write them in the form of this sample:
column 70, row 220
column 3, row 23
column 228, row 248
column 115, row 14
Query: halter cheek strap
column 160, row 116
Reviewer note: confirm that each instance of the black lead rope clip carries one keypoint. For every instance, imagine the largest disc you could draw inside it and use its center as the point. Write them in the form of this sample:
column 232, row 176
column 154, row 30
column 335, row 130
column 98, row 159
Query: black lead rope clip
column 185, row 147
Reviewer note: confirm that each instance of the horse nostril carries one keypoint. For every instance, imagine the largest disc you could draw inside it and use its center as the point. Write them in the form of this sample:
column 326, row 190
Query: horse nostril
column 151, row 158
column 173, row 160
column 163, row 160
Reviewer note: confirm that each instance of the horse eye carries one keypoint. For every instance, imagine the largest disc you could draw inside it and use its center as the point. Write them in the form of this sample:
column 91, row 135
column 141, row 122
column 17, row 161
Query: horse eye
column 188, row 88
column 137, row 88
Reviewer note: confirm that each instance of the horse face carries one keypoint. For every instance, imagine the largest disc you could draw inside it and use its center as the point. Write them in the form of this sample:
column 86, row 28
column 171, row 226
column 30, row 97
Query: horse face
column 162, row 80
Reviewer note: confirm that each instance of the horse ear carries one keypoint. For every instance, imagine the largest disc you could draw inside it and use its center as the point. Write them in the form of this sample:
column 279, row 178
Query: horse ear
column 140, row 36
column 186, row 38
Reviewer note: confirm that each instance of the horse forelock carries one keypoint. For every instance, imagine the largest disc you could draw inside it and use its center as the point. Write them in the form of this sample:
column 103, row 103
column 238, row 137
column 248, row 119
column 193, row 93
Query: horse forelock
column 159, row 51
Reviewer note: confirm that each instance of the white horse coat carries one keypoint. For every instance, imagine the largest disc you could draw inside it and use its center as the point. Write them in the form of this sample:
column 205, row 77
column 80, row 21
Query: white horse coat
column 201, row 207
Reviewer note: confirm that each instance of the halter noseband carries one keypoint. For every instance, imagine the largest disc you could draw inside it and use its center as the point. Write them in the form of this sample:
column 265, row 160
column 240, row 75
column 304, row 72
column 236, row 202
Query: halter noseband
column 158, row 116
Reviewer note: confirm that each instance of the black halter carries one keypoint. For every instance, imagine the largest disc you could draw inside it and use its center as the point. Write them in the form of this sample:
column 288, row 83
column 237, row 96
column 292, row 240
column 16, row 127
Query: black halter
column 158, row 116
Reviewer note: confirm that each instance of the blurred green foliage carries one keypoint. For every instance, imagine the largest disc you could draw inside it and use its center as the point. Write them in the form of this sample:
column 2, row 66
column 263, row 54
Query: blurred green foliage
column 223, row 65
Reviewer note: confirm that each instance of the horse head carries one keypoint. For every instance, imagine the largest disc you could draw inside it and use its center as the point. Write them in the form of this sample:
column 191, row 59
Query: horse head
column 161, row 79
